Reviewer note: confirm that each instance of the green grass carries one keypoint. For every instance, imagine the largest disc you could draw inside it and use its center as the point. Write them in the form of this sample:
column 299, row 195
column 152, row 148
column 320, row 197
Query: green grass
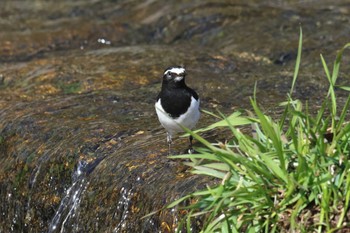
column 70, row 88
column 284, row 176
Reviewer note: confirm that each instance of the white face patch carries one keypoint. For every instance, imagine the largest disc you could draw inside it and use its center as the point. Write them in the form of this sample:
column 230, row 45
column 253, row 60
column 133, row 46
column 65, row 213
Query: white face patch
column 176, row 70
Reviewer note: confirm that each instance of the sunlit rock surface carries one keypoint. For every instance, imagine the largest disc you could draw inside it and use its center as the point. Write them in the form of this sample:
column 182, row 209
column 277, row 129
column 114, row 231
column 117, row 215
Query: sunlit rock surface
column 81, row 149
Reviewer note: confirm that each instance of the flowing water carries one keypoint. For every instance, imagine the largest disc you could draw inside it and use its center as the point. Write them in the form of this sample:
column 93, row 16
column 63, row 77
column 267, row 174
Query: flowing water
column 65, row 218
column 81, row 149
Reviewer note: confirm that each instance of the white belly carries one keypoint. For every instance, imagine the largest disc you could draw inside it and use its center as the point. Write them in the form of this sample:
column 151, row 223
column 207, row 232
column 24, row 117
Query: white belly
column 188, row 119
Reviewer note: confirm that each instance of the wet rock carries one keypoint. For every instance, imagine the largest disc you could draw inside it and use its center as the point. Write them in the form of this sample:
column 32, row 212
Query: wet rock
column 81, row 149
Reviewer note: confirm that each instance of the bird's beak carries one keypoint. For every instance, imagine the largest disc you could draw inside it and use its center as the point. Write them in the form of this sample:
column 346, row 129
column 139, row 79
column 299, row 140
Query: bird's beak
column 178, row 78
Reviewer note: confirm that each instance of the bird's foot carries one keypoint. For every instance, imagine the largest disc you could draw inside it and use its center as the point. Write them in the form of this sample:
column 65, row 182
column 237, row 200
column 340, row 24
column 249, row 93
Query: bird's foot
column 190, row 148
column 170, row 141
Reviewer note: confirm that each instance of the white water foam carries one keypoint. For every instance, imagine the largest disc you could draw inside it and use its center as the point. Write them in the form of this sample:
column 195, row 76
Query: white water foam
column 68, row 208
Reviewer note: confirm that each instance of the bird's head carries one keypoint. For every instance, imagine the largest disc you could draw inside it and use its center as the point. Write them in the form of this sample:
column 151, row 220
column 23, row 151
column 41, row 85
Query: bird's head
column 174, row 74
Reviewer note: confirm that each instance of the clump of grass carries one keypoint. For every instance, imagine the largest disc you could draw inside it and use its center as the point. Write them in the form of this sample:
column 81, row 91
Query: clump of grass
column 289, row 175
column 70, row 88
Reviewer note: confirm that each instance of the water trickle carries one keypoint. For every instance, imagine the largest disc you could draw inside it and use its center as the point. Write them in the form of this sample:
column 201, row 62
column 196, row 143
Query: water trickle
column 124, row 208
column 66, row 216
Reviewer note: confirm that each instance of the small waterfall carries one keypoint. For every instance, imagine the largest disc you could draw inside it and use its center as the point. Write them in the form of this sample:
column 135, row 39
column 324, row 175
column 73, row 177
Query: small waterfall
column 67, row 212
column 124, row 208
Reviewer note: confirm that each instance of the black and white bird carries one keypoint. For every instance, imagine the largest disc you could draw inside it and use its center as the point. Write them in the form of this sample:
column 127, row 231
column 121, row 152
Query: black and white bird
column 177, row 105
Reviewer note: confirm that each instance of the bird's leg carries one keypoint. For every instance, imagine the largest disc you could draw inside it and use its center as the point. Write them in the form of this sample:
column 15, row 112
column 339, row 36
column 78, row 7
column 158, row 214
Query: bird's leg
column 190, row 149
column 169, row 140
